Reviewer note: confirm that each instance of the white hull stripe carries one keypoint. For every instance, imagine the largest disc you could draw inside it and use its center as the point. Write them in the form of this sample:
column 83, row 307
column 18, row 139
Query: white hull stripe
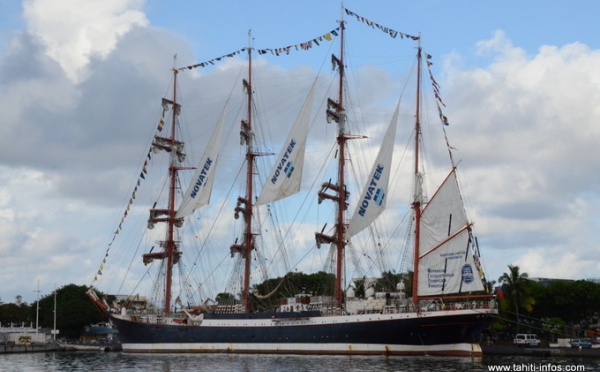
column 308, row 348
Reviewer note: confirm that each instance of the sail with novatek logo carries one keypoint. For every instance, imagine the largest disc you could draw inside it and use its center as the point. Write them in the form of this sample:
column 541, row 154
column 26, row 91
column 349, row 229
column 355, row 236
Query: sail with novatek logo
column 286, row 175
column 372, row 200
column 199, row 190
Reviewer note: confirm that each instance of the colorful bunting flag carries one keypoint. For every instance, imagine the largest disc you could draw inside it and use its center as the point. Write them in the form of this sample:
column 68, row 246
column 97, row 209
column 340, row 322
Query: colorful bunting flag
column 274, row 51
column 436, row 90
column 387, row 30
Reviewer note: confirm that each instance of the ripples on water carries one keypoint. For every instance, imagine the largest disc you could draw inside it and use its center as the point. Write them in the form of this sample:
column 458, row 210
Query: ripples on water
column 92, row 361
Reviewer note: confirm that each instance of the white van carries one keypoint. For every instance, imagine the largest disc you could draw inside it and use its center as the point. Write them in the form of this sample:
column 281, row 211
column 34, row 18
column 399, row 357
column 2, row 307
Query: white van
column 526, row 339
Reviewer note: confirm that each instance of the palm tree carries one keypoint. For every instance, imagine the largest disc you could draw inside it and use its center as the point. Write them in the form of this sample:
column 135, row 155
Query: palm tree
column 515, row 286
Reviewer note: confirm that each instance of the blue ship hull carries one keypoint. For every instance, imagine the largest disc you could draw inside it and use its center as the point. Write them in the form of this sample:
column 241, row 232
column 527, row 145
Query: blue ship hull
column 442, row 333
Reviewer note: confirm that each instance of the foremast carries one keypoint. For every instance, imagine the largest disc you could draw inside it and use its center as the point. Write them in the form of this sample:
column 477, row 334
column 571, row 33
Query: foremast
column 245, row 204
column 169, row 250
column 336, row 112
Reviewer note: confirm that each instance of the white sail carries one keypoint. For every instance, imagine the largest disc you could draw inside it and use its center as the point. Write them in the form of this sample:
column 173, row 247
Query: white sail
column 286, row 174
column 447, row 264
column 373, row 197
column 199, row 190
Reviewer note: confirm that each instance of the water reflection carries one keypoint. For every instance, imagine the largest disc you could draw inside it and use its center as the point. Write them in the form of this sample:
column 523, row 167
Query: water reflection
column 87, row 361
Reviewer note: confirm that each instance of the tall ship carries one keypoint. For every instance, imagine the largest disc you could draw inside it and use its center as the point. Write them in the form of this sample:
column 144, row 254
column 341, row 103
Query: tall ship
column 420, row 292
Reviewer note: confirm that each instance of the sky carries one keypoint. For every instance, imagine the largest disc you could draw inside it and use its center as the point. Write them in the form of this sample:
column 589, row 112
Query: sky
column 79, row 82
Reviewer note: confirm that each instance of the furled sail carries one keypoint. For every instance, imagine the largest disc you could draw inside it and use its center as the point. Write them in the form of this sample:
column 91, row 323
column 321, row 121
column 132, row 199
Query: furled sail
column 286, row 174
column 199, row 190
column 372, row 199
column 447, row 263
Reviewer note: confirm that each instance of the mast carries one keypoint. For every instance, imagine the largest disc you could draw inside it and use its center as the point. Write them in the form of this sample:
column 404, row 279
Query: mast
column 169, row 245
column 418, row 192
column 337, row 113
column 244, row 204
column 341, row 207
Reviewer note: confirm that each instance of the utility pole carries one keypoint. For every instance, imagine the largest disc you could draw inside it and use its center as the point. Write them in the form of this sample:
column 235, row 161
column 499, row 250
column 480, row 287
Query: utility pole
column 54, row 332
column 37, row 311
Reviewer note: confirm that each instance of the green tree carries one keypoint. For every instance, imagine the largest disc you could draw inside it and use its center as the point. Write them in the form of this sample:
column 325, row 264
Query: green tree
column 13, row 313
column 293, row 283
column 569, row 300
column 225, row 298
column 74, row 311
column 516, row 289
column 408, row 283
column 389, row 281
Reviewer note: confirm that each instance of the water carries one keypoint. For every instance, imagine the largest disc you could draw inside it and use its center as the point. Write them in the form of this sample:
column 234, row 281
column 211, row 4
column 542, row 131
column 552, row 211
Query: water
column 93, row 361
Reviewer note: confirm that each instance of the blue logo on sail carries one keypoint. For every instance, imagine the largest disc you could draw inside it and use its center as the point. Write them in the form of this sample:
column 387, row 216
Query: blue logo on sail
column 285, row 164
column 467, row 274
column 201, row 177
column 372, row 191
column 379, row 195
column 289, row 169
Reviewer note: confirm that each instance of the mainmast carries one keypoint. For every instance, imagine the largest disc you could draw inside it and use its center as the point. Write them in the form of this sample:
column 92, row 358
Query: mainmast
column 418, row 191
column 337, row 113
column 244, row 204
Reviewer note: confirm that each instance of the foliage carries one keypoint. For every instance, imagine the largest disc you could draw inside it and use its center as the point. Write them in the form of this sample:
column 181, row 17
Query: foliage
column 552, row 309
column 13, row 313
column 517, row 293
column 319, row 284
column 293, row 283
column 568, row 300
column 225, row 298
column 516, row 288
column 74, row 311
column 387, row 283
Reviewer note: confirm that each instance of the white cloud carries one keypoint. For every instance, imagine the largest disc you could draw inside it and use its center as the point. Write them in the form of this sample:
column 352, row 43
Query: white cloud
column 41, row 239
column 74, row 31
column 528, row 132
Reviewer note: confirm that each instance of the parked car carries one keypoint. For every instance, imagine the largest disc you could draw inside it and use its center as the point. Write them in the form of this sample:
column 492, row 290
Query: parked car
column 526, row 339
column 581, row 342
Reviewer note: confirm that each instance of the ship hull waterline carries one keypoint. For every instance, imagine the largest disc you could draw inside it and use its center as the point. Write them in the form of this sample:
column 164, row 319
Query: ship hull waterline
column 445, row 333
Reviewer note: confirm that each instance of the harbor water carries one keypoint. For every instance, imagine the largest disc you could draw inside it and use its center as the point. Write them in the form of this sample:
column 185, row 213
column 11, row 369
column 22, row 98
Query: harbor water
column 116, row 361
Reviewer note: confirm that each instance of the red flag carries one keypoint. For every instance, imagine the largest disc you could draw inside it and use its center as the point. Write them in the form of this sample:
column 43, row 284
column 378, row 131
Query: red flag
column 500, row 293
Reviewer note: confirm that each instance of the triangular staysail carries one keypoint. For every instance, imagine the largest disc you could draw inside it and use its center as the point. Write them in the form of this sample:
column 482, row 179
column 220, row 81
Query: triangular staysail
column 286, row 174
column 373, row 197
column 199, row 190
column 447, row 263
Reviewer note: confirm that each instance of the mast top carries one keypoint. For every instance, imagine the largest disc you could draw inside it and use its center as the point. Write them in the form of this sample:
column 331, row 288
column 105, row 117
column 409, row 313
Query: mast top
column 250, row 40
